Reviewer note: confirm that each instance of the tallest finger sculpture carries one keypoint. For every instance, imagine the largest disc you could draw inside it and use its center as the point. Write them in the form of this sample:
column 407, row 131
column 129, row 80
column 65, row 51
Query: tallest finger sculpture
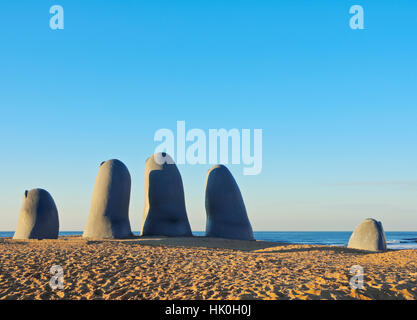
column 164, row 213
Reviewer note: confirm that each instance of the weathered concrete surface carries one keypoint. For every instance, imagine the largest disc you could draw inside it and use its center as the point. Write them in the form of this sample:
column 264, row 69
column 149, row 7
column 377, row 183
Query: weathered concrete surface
column 369, row 235
column 225, row 209
column 38, row 218
column 109, row 211
column 164, row 213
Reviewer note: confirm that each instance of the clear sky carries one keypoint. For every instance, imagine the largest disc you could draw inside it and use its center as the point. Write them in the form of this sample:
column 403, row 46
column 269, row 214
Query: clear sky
column 338, row 107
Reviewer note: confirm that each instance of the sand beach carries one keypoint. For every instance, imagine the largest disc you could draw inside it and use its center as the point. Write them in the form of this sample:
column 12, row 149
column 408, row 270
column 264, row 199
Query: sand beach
column 199, row 268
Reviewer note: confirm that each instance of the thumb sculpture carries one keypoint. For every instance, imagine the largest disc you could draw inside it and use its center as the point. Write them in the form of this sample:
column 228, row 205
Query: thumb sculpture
column 109, row 211
column 369, row 235
column 226, row 212
column 38, row 218
column 164, row 213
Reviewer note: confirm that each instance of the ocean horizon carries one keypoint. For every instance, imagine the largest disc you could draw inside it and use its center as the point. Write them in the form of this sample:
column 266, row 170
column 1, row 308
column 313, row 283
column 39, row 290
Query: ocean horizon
column 396, row 240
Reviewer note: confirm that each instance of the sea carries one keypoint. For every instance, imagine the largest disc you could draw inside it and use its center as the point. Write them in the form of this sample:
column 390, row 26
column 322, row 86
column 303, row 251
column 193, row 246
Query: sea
column 396, row 240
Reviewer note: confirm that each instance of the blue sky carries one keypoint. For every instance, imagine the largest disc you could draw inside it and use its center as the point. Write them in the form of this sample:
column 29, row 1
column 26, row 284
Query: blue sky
column 338, row 107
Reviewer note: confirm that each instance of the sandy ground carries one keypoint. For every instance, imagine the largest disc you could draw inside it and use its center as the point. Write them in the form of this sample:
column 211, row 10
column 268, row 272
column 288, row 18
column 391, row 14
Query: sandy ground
column 199, row 268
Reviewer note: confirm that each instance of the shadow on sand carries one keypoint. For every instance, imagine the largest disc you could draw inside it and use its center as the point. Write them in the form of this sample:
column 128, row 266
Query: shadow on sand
column 255, row 246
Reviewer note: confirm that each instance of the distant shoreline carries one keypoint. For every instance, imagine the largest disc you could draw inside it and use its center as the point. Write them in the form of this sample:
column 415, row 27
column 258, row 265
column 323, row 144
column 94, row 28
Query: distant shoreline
column 396, row 240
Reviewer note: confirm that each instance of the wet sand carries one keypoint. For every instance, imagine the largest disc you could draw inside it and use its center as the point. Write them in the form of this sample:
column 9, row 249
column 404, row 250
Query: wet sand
column 199, row 268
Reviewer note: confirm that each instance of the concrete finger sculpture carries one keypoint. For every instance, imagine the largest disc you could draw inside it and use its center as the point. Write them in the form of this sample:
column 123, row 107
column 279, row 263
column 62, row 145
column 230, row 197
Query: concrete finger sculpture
column 225, row 209
column 109, row 211
column 369, row 235
column 38, row 218
column 164, row 213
